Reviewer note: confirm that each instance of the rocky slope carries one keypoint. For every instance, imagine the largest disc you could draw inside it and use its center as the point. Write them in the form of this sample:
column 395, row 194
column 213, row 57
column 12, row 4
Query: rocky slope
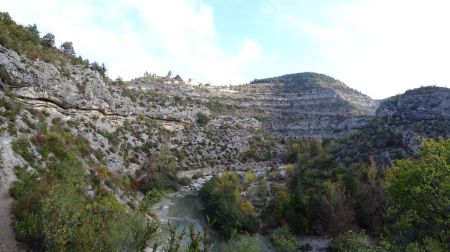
column 399, row 123
column 310, row 105
column 297, row 105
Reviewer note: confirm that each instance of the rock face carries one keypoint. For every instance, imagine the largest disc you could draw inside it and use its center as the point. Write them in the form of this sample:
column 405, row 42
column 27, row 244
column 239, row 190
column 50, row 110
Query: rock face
column 421, row 112
column 422, row 104
column 400, row 121
column 310, row 105
column 297, row 105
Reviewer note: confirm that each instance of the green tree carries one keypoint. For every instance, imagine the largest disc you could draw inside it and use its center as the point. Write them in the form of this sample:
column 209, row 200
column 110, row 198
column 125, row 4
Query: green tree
column 48, row 40
column 33, row 28
column 228, row 212
column 418, row 197
column 67, row 47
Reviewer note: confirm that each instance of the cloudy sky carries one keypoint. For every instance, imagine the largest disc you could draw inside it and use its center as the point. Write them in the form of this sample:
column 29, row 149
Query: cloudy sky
column 379, row 47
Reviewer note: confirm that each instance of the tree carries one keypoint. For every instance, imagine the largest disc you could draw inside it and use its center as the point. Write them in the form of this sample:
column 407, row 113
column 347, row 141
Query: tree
column 418, row 197
column 371, row 205
column 67, row 47
column 228, row 212
column 33, row 28
column 103, row 69
column 169, row 74
column 48, row 40
column 99, row 68
column 336, row 214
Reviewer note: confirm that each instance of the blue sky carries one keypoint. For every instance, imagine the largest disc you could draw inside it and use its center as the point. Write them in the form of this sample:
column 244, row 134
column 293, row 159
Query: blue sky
column 379, row 47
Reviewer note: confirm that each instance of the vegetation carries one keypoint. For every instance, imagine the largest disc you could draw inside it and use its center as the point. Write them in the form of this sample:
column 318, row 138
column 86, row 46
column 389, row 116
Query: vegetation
column 159, row 172
column 11, row 108
column 340, row 189
column 298, row 78
column 260, row 149
column 60, row 207
column 26, row 40
column 228, row 212
column 352, row 241
column 406, row 208
column 202, row 119
column 283, row 240
column 418, row 196
column 244, row 243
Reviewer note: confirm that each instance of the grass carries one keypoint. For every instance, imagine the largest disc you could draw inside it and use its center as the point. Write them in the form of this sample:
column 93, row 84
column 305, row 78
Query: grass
column 22, row 146
column 112, row 137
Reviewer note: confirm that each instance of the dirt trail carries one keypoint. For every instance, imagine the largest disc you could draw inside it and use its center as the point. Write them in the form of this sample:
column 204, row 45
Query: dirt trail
column 7, row 162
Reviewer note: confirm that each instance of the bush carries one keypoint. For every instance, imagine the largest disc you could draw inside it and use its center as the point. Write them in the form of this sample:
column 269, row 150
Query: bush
column 26, row 40
column 228, row 212
column 352, row 241
column 51, row 210
column 244, row 243
column 283, row 240
column 21, row 146
column 202, row 119
column 12, row 108
column 152, row 197
column 160, row 172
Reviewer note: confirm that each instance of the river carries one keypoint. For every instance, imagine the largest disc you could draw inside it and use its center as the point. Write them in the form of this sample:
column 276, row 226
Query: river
column 184, row 207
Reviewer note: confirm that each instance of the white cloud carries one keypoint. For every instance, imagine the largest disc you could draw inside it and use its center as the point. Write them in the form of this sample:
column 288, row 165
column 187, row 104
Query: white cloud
column 134, row 36
column 378, row 47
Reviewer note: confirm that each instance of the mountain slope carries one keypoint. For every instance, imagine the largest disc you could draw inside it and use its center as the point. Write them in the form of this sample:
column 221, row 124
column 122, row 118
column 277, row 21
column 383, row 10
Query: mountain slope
column 399, row 122
column 312, row 105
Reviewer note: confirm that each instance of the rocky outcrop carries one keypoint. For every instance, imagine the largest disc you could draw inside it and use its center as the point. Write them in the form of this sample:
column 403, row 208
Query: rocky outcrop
column 73, row 88
column 399, row 123
column 422, row 104
column 421, row 112
column 300, row 105
column 310, row 105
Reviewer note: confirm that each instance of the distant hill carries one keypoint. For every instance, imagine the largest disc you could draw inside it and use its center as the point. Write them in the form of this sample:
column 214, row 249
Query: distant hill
column 311, row 105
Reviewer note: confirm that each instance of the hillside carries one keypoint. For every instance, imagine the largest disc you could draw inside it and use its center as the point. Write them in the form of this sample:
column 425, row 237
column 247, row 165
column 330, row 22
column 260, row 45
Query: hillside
column 399, row 123
column 311, row 105
column 299, row 154
column 299, row 105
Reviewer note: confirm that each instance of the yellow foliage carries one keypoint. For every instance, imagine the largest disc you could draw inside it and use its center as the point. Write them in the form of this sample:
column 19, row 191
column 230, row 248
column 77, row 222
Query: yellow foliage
column 290, row 169
column 282, row 196
column 228, row 180
column 250, row 176
column 102, row 172
column 247, row 207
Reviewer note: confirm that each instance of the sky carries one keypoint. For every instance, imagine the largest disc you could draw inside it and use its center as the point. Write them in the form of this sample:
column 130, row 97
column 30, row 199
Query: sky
column 379, row 47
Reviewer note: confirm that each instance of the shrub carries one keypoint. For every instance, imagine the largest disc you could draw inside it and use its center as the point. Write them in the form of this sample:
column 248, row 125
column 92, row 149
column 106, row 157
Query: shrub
column 223, row 205
column 352, row 241
column 244, row 243
column 52, row 212
column 160, row 172
column 21, row 146
column 283, row 240
column 12, row 108
column 202, row 119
